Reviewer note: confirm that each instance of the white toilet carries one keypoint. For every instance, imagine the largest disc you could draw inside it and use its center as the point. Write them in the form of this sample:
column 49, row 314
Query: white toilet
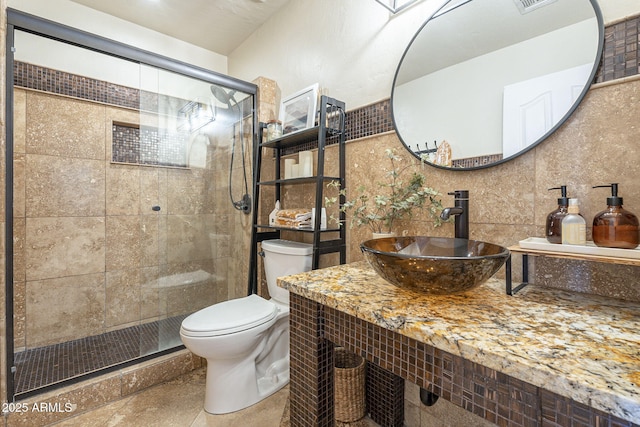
column 246, row 340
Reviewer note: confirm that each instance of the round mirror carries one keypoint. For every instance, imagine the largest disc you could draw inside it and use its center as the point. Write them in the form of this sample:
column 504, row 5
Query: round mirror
column 483, row 81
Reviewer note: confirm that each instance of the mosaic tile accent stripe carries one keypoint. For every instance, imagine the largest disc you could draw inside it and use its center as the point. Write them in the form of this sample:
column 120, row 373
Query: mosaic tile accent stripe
column 621, row 53
column 474, row 162
column 43, row 366
column 62, row 83
column 369, row 120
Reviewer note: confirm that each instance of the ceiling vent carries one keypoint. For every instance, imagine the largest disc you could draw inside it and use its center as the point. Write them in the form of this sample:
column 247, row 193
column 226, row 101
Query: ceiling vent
column 526, row 6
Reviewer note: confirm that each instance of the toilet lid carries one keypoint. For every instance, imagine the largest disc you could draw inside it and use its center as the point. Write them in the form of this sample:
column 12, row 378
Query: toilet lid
column 230, row 316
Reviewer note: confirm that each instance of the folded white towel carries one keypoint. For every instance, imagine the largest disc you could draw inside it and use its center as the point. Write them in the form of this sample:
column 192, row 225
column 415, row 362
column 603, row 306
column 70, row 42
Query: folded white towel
column 303, row 217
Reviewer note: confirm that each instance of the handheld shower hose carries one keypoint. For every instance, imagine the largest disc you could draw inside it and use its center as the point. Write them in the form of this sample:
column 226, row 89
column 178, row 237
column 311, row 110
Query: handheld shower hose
column 244, row 204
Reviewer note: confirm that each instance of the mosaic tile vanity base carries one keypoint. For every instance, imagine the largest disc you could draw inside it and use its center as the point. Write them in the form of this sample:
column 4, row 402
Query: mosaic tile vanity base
column 385, row 396
column 311, row 366
column 499, row 398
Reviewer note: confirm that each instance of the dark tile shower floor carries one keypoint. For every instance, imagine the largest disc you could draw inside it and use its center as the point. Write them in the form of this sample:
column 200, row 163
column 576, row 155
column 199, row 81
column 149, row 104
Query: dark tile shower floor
column 43, row 366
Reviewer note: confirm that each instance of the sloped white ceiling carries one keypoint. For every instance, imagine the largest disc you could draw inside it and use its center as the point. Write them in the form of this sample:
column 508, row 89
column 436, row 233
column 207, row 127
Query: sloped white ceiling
column 217, row 25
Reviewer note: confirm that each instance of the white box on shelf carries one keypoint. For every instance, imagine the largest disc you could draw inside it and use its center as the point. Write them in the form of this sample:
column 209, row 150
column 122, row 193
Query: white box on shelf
column 288, row 168
column 306, row 163
column 323, row 218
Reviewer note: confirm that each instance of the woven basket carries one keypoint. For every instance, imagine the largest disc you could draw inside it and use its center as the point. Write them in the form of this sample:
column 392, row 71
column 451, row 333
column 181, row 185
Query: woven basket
column 349, row 386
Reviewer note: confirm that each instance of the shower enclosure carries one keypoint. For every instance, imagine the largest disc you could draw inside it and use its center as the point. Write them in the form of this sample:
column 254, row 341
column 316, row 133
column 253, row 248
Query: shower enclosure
column 127, row 195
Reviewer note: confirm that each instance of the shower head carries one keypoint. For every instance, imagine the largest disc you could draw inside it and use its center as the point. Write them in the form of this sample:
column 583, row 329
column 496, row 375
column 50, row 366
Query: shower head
column 222, row 95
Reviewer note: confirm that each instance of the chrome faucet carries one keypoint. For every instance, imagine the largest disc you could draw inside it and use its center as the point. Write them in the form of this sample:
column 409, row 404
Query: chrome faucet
column 461, row 212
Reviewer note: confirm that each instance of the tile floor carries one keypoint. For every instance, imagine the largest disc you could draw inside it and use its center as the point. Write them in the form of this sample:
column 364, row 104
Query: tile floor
column 178, row 403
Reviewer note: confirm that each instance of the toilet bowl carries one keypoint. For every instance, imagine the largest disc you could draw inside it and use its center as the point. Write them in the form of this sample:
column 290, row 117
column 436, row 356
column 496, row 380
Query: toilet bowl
column 246, row 340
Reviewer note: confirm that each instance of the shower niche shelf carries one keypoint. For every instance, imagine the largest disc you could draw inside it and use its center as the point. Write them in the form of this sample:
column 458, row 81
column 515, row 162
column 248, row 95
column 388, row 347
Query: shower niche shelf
column 330, row 130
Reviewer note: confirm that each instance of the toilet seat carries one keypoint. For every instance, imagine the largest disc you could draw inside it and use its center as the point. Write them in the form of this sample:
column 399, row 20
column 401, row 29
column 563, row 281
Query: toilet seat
column 229, row 317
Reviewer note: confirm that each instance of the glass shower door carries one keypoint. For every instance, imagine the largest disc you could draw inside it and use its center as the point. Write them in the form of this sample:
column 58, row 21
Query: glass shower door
column 128, row 192
column 196, row 138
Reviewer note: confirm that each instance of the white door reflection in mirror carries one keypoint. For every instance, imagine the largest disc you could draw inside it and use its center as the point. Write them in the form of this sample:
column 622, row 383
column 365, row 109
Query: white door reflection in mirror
column 532, row 107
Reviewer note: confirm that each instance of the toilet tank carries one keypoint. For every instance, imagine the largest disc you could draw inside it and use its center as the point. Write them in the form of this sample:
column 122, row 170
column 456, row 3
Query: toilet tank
column 283, row 258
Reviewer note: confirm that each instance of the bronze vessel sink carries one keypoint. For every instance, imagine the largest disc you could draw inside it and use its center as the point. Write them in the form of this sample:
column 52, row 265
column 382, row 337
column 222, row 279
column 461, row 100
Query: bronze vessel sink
column 434, row 265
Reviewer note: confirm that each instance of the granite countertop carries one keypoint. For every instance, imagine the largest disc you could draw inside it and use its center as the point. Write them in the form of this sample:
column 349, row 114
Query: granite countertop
column 579, row 346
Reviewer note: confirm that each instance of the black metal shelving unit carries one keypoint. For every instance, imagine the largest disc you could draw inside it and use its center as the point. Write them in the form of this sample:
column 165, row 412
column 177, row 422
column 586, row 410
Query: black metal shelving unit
column 331, row 127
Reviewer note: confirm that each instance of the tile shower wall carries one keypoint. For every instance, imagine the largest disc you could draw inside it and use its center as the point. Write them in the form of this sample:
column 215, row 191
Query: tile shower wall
column 90, row 254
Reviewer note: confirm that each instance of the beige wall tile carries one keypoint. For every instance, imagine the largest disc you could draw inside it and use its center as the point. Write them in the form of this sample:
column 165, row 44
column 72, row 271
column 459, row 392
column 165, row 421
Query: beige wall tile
column 65, row 308
column 19, row 315
column 150, row 240
column 442, row 413
column 122, row 297
column 223, row 268
column 123, row 242
column 510, row 202
column 582, row 153
column 19, row 186
column 220, row 244
column 268, row 99
column 186, row 192
column 65, row 127
column 163, row 248
column 123, row 190
column 59, row 247
column 19, row 260
column 127, row 240
column 153, row 187
column 19, row 120
column 187, row 298
column 445, row 414
column 59, row 186
column 187, row 239
column 150, row 308
column 597, row 146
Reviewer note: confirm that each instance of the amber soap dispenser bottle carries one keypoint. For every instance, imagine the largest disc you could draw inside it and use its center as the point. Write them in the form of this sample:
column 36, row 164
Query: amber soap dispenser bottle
column 554, row 219
column 615, row 227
